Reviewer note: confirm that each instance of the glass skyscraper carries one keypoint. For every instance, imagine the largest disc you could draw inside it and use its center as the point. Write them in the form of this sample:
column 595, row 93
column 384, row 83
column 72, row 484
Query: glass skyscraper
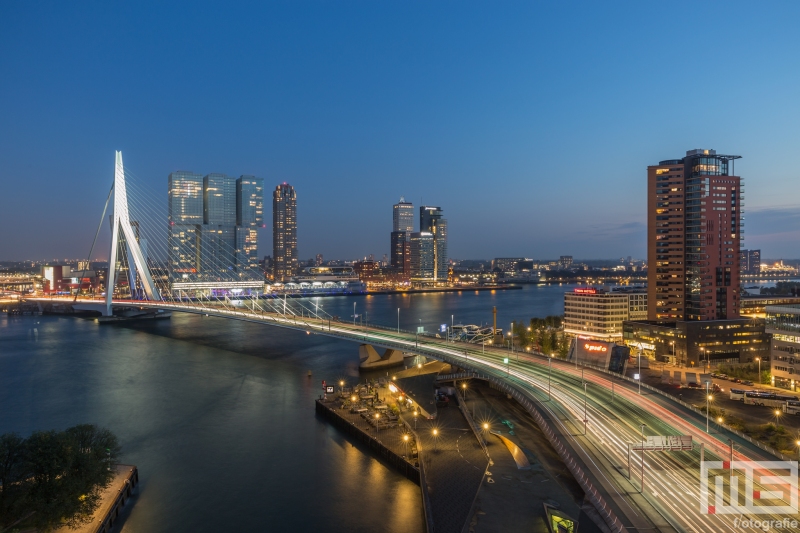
column 213, row 225
column 432, row 221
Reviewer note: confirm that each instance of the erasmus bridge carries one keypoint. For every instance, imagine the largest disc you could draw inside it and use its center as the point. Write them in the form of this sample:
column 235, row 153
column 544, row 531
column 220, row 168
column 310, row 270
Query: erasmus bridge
column 598, row 422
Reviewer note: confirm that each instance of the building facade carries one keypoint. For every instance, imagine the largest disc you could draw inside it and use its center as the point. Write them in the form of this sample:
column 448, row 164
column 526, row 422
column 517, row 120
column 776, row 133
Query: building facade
column 750, row 262
column 694, row 230
column 783, row 322
column 213, row 224
column 403, row 216
column 422, row 260
column 598, row 314
column 185, row 213
column 432, row 221
column 284, row 232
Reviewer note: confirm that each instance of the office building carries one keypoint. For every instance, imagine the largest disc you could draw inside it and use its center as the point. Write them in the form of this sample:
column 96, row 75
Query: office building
column 565, row 261
column 750, row 262
column 218, row 234
column 599, row 314
column 432, row 221
column 213, row 226
column 249, row 217
column 783, row 322
column 403, row 216
column 422, row 260
column 693, row 234
column 401, row 251
column 185, row 215
column 698, row 343
column 284, row 232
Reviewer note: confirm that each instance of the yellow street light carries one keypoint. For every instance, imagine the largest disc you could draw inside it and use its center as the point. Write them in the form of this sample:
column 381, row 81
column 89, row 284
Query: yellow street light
column 485, row 425
column 405, row 438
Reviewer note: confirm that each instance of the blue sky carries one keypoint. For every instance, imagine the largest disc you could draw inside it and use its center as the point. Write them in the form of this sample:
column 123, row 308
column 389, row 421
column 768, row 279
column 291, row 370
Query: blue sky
column 530, row 123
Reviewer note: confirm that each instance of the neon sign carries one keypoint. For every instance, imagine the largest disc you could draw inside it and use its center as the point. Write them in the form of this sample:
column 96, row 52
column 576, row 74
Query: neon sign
column 595, row 347
column 587, row 290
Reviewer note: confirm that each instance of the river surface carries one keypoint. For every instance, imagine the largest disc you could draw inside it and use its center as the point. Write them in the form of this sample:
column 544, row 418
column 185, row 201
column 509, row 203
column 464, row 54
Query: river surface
column 219, row 414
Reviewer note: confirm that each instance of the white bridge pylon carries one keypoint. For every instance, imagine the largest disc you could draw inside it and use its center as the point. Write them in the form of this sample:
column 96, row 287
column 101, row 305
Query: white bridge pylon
column 120, row 220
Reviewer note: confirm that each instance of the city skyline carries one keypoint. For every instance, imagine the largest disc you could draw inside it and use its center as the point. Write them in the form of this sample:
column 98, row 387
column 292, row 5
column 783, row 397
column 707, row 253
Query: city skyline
column 509, row 139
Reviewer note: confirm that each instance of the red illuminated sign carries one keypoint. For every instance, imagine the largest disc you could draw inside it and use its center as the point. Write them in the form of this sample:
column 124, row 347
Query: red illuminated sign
column 589, row 347
column 587, row 290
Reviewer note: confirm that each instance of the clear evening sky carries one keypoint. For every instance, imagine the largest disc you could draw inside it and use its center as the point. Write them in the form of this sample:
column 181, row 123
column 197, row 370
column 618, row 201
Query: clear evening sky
column 530, row 123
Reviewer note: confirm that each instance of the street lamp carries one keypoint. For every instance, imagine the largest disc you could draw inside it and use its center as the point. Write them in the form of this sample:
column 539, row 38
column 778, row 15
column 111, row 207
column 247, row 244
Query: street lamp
column 405, row 443
column 708, row 399
column 341, row 385
column 464, row 390
column 419, row 368
column 435, row 439
column 672, row 343
column 759, row 370
column 416, row 413
column 549, row 373
column 377, row 417
column 398, row 320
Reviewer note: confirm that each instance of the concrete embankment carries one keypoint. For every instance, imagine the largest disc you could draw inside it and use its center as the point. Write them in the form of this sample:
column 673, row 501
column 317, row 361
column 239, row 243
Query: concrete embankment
column 387, row 440
column 114, row 497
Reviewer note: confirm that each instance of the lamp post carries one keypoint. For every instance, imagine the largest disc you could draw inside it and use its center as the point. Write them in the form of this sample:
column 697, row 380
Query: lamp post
column 341, row 386
column 640, row 372
column 435, row 438
column 708, row 399
column 464, row 391
column 672, row 343
column 549, row 373
column 405, row 443
column 643, row 426
column 702, row 354
column 398, row 320
column 452, row 324
column 377, row 419
column 759, row 370
column 416, row 413
column 354, row 314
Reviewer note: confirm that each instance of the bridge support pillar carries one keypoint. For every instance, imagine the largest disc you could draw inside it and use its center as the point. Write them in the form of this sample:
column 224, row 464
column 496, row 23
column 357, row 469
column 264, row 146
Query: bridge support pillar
column 370, row 360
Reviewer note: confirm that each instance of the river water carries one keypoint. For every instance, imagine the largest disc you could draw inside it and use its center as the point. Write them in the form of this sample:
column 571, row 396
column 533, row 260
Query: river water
column 219, row 414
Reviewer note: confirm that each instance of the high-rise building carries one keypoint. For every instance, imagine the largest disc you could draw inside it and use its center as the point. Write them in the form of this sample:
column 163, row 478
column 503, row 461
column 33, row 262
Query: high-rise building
column 403, row 216
column 249, row 217
column 750, row 262
column 218, row 240
column 400, row 251
column 284, row 232
column 596, row 313
column 422, row 261
column 693, row 233
column 185, row 214
column 431, row 221
column 213, row 224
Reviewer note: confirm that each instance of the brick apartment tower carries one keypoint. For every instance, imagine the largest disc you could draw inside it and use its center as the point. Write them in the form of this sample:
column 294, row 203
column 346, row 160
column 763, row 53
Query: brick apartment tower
column 694, row 212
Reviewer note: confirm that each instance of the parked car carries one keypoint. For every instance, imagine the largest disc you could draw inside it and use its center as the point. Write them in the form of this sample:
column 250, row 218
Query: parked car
column 748, row 383
column 693, row 385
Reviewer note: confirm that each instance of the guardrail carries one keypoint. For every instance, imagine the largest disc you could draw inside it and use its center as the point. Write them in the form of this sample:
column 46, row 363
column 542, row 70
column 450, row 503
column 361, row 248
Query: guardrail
column 426, row 499
column 691, row 407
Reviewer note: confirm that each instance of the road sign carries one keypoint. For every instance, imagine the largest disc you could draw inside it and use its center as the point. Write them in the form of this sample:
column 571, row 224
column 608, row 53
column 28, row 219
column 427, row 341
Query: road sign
column 665, row 443
column 505, row 360
column 636, row 376
column 329, row 389
column 443, row 328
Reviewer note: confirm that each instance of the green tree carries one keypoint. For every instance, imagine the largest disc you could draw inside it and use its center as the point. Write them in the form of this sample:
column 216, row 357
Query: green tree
column 547, row 342
column 563, row 346
column 54, row 478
